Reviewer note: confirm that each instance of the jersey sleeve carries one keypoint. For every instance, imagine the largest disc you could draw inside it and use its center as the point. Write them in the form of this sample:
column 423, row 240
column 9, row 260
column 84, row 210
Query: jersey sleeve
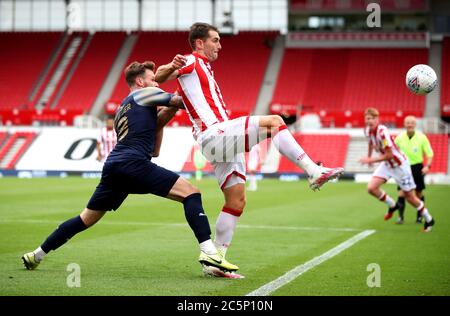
column 426, row 146
column 385, row 137
column 152, row 96
column 189, row 67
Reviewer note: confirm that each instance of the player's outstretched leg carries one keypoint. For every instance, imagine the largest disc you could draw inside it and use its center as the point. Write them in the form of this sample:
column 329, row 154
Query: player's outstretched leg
column 60, row 236
column 286, row 144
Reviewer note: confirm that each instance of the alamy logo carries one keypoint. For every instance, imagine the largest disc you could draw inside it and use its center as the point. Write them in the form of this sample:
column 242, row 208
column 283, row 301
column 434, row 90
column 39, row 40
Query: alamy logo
column 374, row 18
column 374, row 278
column 74, row 278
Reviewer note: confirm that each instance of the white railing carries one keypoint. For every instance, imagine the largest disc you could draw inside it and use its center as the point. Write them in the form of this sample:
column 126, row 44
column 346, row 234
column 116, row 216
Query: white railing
column 87, row 121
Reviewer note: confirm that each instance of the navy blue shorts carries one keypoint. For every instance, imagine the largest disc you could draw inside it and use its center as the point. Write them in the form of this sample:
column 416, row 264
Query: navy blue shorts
column 130, row 177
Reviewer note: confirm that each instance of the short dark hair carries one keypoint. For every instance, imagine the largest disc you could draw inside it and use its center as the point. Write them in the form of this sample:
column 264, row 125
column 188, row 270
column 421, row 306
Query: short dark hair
column 200, row 31
column 136, row 69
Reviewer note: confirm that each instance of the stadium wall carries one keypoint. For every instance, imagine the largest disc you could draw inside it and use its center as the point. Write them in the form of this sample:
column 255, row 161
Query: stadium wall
column 62, row 151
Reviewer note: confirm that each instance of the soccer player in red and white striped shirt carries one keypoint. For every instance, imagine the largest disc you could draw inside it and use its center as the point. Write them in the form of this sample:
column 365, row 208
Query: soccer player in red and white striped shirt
column 107, row 140
column 393, row 164
column 224, row 141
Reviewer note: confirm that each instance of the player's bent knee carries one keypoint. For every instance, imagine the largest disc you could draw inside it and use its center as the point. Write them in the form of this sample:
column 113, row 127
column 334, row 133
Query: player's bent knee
column 237, row 204
column 90, row 217
column 276, row 121
column 193, row 190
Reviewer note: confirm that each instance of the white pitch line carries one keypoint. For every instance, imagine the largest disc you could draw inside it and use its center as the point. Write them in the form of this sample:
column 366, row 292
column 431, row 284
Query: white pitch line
column 291, row 275
column 119, row 223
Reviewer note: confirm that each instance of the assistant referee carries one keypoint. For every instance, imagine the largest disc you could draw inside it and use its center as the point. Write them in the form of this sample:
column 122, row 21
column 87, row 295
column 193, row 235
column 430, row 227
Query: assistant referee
column 415, row 145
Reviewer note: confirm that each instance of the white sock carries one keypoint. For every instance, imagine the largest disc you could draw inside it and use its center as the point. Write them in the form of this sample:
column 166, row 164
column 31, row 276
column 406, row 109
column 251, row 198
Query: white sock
column 386, row 199
column 208, row 247
column 288, row 147
column 424, row 212
column 225, row 227
column 253, row 184
column 39, row 254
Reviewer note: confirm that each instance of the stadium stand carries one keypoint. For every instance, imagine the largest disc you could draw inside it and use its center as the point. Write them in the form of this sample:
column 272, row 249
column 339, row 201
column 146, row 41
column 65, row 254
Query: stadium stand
column 331, row 150
column 3, row 136
column 58, row 55
column 91, row 71
column 445, row 79
column 439, row 143
column 339, row 84
column 82, row 37
column 14, row 147
column 21, row 64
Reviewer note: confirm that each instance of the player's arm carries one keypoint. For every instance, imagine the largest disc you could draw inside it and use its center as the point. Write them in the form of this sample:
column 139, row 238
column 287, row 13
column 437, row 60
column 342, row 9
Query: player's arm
column 386, row 156
column 153, row 96
column 170, row 71
column 165, row 114
column 387, row 146
column 368, row 159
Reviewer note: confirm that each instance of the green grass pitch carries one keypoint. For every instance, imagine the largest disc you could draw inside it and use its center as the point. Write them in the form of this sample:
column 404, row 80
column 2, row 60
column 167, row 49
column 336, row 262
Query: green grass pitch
column 147, row 248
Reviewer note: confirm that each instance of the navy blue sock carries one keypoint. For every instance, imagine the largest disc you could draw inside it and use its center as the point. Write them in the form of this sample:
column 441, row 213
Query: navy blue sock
column 401, row 206
column 63, row 233
column 196, row 217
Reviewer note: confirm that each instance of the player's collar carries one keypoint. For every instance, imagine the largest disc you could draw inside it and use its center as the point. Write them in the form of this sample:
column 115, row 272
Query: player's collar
column 206, row 60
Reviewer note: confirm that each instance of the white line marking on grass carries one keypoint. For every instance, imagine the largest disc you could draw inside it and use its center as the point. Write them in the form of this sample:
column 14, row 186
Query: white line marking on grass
column 291, row 275
column 119, row 223
column 337, row 229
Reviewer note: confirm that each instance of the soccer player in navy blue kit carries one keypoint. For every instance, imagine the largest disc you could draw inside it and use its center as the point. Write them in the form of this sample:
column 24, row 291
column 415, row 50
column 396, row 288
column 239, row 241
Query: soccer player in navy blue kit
column 129, row 170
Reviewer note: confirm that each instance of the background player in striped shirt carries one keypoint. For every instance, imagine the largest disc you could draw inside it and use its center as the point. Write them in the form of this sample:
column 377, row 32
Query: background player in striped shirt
column 224, row 141
column 393, row 164
column 107, row 140
column 415, row 145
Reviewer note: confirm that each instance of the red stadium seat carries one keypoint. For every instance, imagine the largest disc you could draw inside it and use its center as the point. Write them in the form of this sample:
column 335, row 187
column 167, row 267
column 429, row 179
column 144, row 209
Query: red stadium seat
column 92, row 71
column 439, row 143
column 24, row 56
column 445, row 79
column 339, row 82
column 331, row 150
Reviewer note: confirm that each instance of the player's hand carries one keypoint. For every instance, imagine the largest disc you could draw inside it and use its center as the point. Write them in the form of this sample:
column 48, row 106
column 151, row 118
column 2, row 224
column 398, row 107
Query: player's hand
column 99, row 158
column 365, row 160
column 178, row 61
column 425, row 170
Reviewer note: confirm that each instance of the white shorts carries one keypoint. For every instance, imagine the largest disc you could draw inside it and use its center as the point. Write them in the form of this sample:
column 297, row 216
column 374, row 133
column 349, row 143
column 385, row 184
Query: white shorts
column 253, row 159
column 224, row 144
column 401, row 174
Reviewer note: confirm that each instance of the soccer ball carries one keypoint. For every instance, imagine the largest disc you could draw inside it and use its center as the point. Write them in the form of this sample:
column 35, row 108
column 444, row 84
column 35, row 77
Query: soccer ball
column 421, row 79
